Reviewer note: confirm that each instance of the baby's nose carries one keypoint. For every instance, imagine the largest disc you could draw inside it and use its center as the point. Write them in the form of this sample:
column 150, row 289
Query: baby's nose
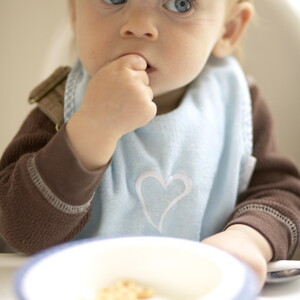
column 140, row 24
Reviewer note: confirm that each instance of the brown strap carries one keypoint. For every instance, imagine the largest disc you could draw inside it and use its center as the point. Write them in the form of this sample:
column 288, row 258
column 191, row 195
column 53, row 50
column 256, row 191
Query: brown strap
column 49, row 95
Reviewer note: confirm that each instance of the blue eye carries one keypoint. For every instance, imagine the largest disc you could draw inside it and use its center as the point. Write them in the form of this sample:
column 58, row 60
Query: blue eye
column 180, row 6
column 115, row 2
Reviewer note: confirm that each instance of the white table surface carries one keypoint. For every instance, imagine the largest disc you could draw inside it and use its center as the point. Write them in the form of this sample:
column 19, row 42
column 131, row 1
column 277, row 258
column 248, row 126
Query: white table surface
column 9, row 264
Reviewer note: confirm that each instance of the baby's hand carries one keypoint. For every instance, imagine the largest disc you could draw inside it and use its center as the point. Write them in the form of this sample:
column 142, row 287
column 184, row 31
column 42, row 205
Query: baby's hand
column 246, row 244
column 118, row 100
column 118, row 97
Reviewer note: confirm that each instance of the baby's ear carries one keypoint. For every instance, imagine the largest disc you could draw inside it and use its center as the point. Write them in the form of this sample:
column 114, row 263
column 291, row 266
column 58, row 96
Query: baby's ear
column 234, row 27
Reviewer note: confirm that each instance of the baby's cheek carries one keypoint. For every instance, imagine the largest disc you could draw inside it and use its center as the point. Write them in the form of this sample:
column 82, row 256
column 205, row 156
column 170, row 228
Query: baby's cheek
column 187, row 71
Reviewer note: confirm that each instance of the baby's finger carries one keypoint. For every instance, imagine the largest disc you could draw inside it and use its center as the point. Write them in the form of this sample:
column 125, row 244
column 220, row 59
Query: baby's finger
column 151, row 106
column 134, row 61
column 144, row 77
column 149, row 92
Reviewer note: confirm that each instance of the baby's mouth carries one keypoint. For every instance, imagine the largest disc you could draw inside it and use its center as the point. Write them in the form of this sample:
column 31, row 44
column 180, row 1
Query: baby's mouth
column 149, row 69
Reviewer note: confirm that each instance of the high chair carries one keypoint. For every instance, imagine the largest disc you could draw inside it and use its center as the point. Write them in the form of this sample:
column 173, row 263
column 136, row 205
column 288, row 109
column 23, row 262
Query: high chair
column 272, row 56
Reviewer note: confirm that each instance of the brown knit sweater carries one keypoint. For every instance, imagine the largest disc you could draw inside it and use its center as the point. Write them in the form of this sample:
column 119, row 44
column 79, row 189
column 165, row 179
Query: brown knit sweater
column 45, row 193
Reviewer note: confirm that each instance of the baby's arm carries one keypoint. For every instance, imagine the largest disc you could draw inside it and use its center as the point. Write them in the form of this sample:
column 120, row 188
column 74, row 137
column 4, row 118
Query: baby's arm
column 45, row 193
column 118, row 100
column 263, row 226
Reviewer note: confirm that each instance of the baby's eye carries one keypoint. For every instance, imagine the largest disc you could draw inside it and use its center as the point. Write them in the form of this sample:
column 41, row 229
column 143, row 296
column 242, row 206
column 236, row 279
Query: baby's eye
column 115, row 2
column 180, row 6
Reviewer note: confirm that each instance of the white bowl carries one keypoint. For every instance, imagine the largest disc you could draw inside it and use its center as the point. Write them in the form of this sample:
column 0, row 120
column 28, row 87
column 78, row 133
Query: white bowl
column 176, row 269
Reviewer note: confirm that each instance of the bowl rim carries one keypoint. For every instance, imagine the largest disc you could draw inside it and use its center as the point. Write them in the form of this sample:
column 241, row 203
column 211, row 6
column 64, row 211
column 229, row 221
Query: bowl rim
column 247, row 290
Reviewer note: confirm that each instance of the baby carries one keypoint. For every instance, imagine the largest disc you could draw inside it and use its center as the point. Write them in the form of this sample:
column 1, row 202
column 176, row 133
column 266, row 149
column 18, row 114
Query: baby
column 154, row 131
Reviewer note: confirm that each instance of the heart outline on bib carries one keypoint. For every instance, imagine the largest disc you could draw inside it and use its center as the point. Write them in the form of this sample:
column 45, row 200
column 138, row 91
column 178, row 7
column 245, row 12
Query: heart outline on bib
column 165, row 184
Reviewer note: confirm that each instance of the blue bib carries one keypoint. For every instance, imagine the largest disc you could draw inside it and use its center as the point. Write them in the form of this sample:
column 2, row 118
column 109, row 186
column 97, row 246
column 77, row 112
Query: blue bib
column 179, row 175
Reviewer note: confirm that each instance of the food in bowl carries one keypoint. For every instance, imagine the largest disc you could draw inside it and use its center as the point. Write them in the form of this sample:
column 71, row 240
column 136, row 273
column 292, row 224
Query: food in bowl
column 124, row 290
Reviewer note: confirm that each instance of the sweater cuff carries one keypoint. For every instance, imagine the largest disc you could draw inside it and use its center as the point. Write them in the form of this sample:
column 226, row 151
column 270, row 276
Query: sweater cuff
column 278, row 230
column 62, row 173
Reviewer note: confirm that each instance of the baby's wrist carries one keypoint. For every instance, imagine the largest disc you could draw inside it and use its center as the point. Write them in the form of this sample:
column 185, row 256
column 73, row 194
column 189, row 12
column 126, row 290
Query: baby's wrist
column 96, row 127
column 92, row 145
column 255, row 237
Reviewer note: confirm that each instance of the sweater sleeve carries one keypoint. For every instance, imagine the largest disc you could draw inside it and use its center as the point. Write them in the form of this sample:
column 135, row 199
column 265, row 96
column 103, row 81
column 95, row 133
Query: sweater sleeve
column 271, row 204
column 45, row 194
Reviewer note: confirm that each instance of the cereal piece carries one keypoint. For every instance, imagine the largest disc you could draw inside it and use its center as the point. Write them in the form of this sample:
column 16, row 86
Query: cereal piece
column 146, row 293
column 124, row 290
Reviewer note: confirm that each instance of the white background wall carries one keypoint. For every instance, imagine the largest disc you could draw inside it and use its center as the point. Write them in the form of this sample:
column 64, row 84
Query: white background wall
column 272, row 56
column 25, row 29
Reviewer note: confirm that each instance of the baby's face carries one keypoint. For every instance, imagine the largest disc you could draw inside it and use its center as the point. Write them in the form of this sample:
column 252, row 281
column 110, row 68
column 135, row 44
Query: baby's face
column 175, row 37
